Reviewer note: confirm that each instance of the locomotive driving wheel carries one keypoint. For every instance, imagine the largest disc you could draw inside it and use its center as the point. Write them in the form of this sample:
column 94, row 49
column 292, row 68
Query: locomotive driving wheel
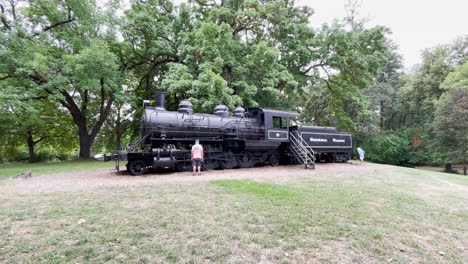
column 245, row 159
column 274, row 160
column 229, row 161
column 210, row 164
column 137, row 167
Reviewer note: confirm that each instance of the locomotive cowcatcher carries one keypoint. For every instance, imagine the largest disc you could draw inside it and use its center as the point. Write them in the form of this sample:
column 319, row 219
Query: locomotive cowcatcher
column 244, row 139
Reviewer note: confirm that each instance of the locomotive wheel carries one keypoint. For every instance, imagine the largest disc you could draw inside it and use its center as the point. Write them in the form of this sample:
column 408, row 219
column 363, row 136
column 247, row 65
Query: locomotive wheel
column 229, row 161
column 210, row 164
column 274, row 160
column 183, row 166
column 137, row 167
column 245, row 159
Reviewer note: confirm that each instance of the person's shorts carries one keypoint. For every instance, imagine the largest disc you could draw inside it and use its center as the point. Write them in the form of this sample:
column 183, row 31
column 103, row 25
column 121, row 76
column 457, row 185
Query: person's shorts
column 197, row 162
column 361, row 157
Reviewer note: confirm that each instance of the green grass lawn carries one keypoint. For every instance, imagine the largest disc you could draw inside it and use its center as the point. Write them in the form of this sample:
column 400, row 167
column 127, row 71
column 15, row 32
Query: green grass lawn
column 392, row 215
column 12, row 169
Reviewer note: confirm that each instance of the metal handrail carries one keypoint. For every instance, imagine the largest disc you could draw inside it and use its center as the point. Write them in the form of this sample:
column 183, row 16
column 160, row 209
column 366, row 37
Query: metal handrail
column 302, row 155
column 137, row 142
column 301, row 151
column 303, row 144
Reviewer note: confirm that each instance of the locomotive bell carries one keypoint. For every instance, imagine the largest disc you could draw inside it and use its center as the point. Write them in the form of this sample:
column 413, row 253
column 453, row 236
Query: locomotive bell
column 239, row 111
column 221, row 110
column 185, row 107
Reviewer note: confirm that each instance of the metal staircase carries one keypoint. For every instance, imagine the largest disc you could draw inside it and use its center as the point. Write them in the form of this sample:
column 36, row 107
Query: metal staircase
column 132, row 145
column 303, row 154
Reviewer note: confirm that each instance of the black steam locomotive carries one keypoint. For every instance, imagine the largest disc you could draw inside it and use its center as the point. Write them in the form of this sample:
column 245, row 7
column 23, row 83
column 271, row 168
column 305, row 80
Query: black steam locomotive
column 245, row 139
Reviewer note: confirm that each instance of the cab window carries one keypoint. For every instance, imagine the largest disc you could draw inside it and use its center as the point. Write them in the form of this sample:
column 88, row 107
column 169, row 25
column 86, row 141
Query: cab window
column 284, row 122
column 280, row 122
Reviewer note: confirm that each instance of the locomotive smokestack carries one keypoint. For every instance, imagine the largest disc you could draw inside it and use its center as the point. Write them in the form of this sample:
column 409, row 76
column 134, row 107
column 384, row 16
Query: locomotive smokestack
column 160, row 97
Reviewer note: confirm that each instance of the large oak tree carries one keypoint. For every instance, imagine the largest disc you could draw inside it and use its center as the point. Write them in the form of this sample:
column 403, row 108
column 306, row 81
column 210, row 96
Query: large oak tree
column 60, row 51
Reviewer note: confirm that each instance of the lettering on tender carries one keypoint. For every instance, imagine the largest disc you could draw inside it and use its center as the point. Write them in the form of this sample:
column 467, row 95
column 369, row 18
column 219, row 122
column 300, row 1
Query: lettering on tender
column 318, row 139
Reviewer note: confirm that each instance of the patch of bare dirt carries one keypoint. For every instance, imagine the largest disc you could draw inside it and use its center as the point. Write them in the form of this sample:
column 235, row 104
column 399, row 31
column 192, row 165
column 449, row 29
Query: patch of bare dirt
column 98, row 178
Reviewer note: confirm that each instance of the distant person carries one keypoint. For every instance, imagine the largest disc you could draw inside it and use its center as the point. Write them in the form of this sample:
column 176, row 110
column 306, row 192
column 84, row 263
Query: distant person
column 197, row 157
column 361, row 154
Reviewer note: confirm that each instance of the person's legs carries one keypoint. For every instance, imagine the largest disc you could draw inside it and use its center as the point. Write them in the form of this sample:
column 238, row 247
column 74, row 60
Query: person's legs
column 194, row 167
column 362, row 159
column 196, row 164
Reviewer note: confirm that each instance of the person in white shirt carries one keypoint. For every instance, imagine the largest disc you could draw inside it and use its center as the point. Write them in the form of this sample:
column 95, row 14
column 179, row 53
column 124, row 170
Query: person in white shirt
column 197, row 157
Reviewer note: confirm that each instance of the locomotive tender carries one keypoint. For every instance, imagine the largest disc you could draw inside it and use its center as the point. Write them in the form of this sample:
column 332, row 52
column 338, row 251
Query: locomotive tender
column 245, row 139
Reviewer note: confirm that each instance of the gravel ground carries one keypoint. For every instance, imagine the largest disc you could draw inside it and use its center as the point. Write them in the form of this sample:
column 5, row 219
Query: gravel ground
column 99, row 178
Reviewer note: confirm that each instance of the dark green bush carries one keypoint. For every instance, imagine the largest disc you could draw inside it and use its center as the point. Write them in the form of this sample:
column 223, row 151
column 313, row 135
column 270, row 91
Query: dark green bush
column 396, row 148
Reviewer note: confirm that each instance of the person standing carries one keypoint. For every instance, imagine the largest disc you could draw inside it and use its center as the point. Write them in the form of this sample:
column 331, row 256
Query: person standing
column 197, row 157
column 361, row 154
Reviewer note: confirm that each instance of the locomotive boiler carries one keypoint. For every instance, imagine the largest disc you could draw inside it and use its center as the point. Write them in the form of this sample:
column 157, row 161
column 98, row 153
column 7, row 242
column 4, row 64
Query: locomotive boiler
column 244, row 139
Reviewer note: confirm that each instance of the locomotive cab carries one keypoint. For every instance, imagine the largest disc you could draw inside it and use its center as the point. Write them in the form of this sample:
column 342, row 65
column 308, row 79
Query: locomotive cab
column 276, row 122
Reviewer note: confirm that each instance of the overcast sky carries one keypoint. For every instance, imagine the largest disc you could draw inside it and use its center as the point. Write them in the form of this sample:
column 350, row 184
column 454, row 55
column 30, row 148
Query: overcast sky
column 415, row 24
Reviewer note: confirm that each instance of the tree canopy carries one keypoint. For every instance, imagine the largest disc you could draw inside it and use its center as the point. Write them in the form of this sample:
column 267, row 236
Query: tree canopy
column 75, row 71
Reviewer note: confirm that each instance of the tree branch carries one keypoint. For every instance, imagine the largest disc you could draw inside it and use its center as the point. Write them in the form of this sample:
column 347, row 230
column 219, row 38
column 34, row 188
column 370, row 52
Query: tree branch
column 39, row 140
column 103, row 112
column 40, row 97
column 2, row 18
column 38, row 78
column 103, row 94
column 69, row 20
column 13, row 8
column 321, row 64
column 58, row 24
column 84, row 102
column 75, row 111
column 205, row 3
column 328, row 80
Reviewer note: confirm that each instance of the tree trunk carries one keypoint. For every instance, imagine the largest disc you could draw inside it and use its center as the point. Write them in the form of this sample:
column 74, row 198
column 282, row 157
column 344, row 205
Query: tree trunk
column 79, row 116
column 448, row 167
column 85, row 143
column 31, row 144
column 381, row 115
column 464, row 161
column 118, row 131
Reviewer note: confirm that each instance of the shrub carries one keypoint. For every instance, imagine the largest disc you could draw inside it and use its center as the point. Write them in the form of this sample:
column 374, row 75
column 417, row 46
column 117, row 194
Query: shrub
column 396, row 147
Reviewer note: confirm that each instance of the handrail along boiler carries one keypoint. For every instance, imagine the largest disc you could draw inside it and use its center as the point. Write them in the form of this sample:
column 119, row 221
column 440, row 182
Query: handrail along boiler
column 245, row 139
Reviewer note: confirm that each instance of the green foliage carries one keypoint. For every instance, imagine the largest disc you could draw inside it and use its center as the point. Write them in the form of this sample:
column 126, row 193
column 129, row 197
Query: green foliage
column 451, row 118
column 388, row 148
column 428, row 102
column 396, row 147
column 457, row 79
column 60, row 51
column 220, row 65
column 32, row 123
column 345, row 63
column 384, row 105
column 423, row 89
